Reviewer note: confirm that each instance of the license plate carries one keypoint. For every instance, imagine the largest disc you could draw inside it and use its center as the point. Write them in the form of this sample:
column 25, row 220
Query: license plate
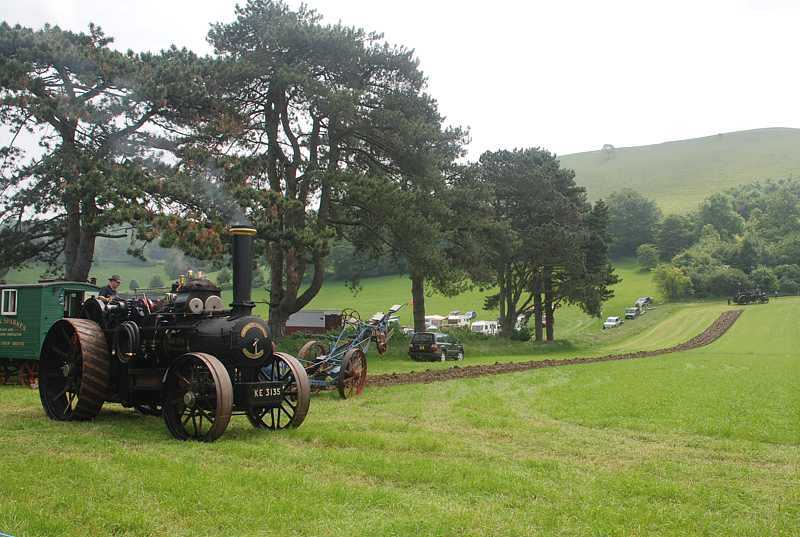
column 265, row 392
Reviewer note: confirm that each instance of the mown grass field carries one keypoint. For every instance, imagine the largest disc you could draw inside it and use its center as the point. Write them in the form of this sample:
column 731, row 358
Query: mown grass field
column 705, row 442
column 679, row 175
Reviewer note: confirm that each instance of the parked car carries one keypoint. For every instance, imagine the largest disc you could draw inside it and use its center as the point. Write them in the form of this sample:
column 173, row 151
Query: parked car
column 632, row 313
column 643, row 302
column 612, row 322
column 435, row 346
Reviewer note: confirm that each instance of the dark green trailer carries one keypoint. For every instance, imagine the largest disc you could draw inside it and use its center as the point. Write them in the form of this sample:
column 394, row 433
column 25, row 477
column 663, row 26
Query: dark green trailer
column 26, row 313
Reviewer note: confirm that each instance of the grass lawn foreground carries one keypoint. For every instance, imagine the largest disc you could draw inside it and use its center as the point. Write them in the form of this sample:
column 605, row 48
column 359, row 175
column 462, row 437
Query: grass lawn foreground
column 705, row 442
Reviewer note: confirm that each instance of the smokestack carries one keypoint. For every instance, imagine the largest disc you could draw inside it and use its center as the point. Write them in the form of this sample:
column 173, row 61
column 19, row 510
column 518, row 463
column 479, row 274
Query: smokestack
column 242, row 268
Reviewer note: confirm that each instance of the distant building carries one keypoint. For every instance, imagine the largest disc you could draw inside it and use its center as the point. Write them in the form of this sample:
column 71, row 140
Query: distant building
column 314, row 321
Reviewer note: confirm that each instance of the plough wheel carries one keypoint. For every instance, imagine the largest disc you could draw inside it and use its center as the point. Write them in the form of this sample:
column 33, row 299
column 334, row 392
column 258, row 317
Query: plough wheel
column 296, row 394
column 353, row 374
column 311, row 350
column 198, row 398
column 381, row 342
column 29, row 374
column 309, row 355
column 74, row 370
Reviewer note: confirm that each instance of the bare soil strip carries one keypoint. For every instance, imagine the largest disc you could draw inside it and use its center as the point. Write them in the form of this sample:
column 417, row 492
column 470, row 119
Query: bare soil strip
column 709, row 335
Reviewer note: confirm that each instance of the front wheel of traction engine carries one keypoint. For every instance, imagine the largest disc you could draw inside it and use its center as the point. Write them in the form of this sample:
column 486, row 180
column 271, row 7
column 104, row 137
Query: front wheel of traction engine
column 198, row 398
column 296, row 398
column 353, row 374
column 74, row 370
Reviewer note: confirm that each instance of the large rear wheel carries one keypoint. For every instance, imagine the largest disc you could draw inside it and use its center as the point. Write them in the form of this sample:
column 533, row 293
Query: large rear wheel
column 74, row 370
column 353, row 374
column 293, row 408
column 198, row 398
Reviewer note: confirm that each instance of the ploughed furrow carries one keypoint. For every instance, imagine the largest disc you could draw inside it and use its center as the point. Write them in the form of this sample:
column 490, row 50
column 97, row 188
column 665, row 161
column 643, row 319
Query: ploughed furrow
column 709, row 335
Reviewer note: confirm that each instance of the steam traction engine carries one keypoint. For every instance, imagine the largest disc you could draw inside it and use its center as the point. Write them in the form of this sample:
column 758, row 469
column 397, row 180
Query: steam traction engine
column 186, row 358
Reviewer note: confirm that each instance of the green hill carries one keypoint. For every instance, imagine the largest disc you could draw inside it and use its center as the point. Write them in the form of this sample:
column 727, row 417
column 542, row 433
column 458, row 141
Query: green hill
column 678, row 175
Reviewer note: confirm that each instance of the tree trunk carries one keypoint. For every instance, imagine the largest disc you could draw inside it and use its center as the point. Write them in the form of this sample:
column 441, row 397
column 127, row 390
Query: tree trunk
column 508, row 314
column 285, row 297
column 78, row 247
column 418, row 298
column 277, row 321
column 537, row 315
column 548, row 304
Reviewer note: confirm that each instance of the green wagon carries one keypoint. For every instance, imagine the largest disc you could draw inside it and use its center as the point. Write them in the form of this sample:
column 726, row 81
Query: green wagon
column 26, row 313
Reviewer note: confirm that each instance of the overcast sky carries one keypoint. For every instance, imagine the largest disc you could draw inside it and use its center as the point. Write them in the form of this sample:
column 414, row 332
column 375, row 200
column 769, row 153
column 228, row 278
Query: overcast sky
column 568, row 75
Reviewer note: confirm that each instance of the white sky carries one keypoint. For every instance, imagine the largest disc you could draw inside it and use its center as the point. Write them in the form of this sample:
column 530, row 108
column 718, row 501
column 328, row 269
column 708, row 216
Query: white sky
column 568, row 75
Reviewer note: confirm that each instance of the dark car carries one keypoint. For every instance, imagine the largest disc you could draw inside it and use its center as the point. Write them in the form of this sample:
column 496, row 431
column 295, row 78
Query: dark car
column 435, row 346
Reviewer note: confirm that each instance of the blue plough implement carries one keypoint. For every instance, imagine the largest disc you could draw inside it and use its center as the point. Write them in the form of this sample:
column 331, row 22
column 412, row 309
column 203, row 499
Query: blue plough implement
column 344, row 365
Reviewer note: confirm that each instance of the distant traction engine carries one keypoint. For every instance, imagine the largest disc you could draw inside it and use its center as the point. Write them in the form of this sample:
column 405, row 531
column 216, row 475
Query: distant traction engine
column 187, row 358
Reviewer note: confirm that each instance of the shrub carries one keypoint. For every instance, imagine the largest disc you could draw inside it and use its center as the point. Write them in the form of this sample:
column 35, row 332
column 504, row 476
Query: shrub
column 788, row 286
column 523, row 334
column 224, row 276
column 258, row 279
column 725, row 281
column 788, row 278
column 764, row 278
column 673, row 283
column 647, row 255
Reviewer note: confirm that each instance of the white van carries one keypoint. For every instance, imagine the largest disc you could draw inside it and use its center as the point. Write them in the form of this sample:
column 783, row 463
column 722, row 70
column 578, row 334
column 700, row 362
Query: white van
column 488, row 328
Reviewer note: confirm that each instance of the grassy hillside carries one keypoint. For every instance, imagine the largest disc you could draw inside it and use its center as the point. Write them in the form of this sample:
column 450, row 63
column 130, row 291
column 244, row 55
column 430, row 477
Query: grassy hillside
column 102, row 271
column 680, row 174
column 705, row 442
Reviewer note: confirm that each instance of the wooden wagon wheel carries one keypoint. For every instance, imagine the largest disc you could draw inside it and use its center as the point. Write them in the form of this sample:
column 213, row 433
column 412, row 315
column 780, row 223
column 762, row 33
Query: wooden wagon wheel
column 198, row 398
column 74, row 370
column 293, row 408
column 353, row 374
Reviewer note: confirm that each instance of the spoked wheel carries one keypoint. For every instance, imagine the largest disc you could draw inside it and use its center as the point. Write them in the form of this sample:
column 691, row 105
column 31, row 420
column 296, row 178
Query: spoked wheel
column 198, row 398
column 74, row 370
column 310, row 354
column 296, row 394
column 353, row 374
column 29, row 374
column 350, row 316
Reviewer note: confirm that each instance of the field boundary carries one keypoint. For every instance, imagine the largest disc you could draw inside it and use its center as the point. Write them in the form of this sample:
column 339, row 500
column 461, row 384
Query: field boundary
column 706, row 337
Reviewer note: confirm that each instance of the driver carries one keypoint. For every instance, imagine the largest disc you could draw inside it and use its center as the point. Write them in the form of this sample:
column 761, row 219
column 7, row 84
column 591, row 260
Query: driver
column 110, row 291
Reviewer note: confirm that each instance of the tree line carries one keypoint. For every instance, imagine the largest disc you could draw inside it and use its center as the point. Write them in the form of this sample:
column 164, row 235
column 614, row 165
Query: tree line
column 319, row 135
column 747, row 237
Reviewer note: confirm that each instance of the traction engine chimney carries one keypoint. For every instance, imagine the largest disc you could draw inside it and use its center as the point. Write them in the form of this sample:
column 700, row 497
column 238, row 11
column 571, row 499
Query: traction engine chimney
column 242, row 269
